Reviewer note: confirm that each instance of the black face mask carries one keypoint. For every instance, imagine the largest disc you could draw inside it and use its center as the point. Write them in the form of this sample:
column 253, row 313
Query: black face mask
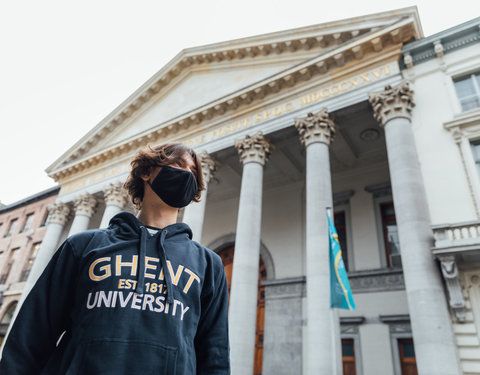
column 175, row 186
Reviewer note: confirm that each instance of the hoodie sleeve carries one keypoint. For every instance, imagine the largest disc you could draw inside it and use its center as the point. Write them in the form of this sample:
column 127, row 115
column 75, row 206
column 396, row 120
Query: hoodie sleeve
column 211, row 340
column 43, row 317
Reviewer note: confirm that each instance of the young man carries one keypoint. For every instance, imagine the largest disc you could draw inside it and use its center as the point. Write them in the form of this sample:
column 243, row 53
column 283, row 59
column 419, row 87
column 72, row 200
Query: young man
column 139, row 297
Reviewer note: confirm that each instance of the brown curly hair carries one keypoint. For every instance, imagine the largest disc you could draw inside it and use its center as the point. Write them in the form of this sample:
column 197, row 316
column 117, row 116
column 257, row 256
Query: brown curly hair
column 146, row 160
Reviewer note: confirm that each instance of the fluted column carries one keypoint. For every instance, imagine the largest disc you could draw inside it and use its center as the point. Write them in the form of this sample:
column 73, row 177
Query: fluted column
column 115, row 201
column 59, row 214
column 85, row 205
column 316, row 133
column 435, row 347
column 254, row 152
column 195, row 212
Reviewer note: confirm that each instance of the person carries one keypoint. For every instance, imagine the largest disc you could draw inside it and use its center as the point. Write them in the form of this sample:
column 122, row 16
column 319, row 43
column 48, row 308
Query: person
column 140, row 297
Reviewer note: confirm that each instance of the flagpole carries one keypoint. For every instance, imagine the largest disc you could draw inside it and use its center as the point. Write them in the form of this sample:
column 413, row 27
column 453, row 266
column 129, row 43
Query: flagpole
column 335, row 321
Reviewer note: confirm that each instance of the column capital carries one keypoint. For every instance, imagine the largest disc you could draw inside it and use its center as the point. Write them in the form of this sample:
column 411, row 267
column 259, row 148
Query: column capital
column 209, row 165
column 114, row 195
column 85, row 204
column 392, row 102
column 58, row 213
column 318, row 127
column 254, row 148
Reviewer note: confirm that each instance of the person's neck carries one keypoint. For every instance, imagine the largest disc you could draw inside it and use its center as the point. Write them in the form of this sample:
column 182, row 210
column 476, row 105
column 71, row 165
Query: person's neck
column 158, row 216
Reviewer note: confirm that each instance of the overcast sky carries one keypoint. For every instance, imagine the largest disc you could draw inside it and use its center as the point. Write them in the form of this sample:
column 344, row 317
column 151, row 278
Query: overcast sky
column 65, row 65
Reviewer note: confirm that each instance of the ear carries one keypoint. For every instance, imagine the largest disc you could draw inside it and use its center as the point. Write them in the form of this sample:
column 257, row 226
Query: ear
column 146, row 177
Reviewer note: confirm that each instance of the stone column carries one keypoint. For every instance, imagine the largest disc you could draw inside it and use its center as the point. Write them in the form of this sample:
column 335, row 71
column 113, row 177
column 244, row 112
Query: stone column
column 195, row 212
column 435, row 347
column 59, row 214
column 115, row 201
column 316, row 133
column 85, row 205
column 254, row 152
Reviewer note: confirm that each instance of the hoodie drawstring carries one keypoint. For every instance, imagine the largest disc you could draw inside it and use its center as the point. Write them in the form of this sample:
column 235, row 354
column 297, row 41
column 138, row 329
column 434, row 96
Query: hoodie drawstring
column 141, row 260
column 166, row 271
column 163, row 261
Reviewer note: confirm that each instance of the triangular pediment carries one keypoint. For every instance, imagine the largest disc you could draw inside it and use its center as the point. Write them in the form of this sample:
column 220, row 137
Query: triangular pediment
column 202, row 76
column 196, row 88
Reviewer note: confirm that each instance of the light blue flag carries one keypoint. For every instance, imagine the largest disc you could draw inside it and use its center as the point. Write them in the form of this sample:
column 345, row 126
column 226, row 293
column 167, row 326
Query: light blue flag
column 340, row 292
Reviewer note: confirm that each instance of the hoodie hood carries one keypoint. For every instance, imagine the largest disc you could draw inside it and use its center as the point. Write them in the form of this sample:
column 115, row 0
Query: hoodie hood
column 127, row 226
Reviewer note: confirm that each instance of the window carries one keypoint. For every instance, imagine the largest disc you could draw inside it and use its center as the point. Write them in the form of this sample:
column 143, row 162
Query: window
column 29, row 262
column 11, row 229
column 348, row 357
column 28, row 223
column 390, row 235
column 406, row 352
column 476, row 154
column 46, row 215
column 468, row 91
column 8, row 268
column 340, row 226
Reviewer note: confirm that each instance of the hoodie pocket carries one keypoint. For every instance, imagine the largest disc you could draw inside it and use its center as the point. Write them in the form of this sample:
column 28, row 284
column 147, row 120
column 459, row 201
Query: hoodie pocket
column 124, row 357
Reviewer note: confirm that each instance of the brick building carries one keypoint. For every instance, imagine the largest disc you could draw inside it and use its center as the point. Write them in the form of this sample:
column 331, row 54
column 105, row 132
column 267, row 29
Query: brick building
column 22, row 227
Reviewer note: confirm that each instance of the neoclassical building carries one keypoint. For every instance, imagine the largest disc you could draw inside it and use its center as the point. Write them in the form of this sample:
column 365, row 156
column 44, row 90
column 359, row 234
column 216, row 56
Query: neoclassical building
column 361, row 118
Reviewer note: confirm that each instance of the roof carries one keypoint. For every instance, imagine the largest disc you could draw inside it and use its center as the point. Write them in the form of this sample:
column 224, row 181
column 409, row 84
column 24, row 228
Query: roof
column 444, row 42
column 31, row 199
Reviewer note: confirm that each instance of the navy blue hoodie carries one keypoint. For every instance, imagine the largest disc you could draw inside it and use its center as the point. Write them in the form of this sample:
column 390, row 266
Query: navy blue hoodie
column 121, row 311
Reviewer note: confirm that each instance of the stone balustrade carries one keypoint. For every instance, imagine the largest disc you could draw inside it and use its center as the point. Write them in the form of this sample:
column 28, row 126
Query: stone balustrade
column 459, row 234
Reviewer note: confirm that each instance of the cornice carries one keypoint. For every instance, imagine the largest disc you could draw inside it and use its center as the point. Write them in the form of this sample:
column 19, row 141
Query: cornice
column 354, row 50
column 467, row 124
column 441, row 43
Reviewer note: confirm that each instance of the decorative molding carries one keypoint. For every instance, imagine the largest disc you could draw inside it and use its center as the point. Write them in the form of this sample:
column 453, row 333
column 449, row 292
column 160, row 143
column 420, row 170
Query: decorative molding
column 401, row 318
column 343, row 197
column 284, row 288
column 115, row 195
column 254, row 148
column 380, row 280
column 393, row 102
column 466, row 125
column 348, row 329
column 454, row 287
column 360, row 47
column 379, row 190
column 398, row 324
column 318, row 127
column 369, row 135
column 209, row 165
column 58, row 213
column 439, row 44
column 475, row 279
column 352, row 320
column 384, row 279
column 463, row 128
column 85, row 204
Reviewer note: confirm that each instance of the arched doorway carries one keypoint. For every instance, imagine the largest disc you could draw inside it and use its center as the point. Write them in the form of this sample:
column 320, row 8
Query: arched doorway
column 227, row 259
